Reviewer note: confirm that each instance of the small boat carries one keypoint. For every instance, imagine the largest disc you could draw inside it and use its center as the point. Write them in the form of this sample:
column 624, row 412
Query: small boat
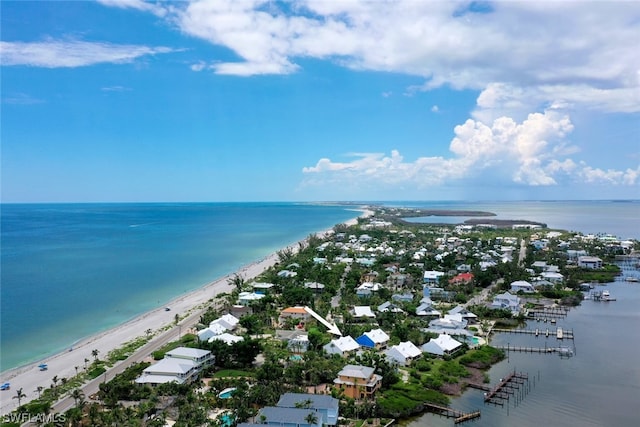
column 565, row 352
column 632, row 279
column 606, row 296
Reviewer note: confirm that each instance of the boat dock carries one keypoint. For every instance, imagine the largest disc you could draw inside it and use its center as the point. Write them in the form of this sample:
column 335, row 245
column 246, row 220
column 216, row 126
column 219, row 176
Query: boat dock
column 562, row 351
column 514, row 384
column 446, row 411
column 559, row 333
column 548, row 313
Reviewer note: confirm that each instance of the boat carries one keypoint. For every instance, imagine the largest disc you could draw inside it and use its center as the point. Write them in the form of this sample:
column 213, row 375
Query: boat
column 606, row 296
column 565, row 352
column 632, row 279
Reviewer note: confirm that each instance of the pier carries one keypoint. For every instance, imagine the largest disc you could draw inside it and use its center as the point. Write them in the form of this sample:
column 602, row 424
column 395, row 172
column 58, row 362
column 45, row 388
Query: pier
column 562, row 351
column 547, row 313
column 446, row 411
column 559, row 332
column 514, row 384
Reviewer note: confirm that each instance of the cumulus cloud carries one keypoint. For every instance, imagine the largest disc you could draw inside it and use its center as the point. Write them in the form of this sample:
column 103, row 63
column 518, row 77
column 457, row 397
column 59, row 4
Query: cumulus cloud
column 71, row 53
column 498, row 49
column 530, row 153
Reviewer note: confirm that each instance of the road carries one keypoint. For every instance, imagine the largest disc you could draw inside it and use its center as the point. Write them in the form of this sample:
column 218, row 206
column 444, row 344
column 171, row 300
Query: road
column 140, row 355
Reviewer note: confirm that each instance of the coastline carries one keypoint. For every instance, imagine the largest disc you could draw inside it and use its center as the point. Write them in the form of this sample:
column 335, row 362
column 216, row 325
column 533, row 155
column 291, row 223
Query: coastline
column 188, row 306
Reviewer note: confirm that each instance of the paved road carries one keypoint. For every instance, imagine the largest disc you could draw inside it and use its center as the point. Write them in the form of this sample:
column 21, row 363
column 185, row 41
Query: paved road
column 142, row 353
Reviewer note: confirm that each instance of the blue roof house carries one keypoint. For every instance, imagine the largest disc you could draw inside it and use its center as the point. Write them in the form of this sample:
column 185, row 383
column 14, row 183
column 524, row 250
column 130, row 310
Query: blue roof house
column 326, row 407
column 289, row 417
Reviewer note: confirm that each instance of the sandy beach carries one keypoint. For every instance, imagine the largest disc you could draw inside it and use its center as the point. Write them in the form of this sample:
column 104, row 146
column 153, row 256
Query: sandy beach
column 63, row 365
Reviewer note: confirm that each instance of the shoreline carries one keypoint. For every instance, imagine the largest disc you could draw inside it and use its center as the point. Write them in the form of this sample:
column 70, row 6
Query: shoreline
column 63, row 364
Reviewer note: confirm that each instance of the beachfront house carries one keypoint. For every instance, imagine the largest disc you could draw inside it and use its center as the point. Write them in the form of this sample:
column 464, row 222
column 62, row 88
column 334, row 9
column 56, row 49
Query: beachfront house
column 404, row 353
column 358, row 382
column 441, row 346
column 180, row 365
column 246, row 298
column 326, row 407
column 342, row 346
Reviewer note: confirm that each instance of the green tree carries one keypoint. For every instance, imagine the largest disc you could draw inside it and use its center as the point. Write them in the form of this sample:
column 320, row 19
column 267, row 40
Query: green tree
column 19, row 395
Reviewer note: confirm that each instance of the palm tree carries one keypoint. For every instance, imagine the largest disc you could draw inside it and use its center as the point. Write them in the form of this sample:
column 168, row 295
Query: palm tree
column 85, row 363
column 19, row 395
column 94, row 353
column 148, row 332
column 311, row 418
column 39, row 390
column 76, row 370
column 77, row 396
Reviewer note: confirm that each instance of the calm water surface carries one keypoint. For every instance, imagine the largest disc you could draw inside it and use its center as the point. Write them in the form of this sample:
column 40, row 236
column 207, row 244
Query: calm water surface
column 599, row 386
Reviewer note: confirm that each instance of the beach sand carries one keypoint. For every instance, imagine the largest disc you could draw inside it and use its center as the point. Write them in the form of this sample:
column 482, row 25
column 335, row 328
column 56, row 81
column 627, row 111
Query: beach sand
column 63, row 365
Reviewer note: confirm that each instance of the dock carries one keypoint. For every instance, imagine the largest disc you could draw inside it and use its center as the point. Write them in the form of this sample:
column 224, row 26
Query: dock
column 547, row 313
column 459, row 416
column 513, row 384
column 559, row 332
column 562, row 351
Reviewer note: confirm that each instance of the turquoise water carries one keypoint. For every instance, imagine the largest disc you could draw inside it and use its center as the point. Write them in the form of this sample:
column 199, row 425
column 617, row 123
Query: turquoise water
column 72, row 270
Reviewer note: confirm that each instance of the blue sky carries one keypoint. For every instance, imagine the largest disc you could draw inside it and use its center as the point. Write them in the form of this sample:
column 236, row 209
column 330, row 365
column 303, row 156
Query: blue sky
column 127, row 100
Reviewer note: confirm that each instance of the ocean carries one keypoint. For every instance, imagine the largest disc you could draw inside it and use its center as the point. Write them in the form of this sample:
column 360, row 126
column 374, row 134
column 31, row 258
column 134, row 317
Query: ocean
column 72, row 270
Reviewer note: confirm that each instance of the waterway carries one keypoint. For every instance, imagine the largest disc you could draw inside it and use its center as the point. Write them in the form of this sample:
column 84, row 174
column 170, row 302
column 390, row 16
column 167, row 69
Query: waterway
column 598, row 386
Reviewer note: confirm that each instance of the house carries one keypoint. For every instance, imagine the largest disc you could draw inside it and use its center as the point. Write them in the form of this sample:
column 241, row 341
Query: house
column 213, row 330
column 389, row 307
column 432, row 277
column 363, row 312
column 180, row 365
column 262, row 288
column 522, row 285
column 342, row 346
column 296, row 313
column 246, row 298
column 507, row 301
column 287, row 273
column 298, row 344
column 315, row 287
column 449, row 321
column 461, row 279
column 325, row 406
column 552, row 276
column 466, row 314
column 375, row 338
column 227, row 338
column 443, row 345
column 426, row 309
column 591, row 262
column 358, row 382
column 289, row 417
column 404, row 353
column 367, row 289
column 406, row 297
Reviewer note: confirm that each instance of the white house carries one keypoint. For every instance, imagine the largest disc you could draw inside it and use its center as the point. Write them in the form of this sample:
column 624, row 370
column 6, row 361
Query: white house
column 363, row 312
column 522, row 285
column 246, row 298
column 342, row 346
column 226, row 338
column 449, row 321
column 466, row 314
column 179, row 365
column 403, row 353
column 442, row 345
column 552, row 276
column 507, row 301
column 591, row 262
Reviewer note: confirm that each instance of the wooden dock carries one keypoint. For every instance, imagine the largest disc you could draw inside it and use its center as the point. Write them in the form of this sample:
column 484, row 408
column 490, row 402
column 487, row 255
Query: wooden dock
column 507, row 387
column 446, row 411
column 559, row 332
column 547, row 313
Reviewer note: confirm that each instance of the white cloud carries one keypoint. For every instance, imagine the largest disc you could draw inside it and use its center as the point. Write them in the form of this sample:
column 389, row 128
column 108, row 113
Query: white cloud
column 155, row 8
column 21, row 99
column 435, row 109
column 71, row 53
column 531, row 153
column 522, row 55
